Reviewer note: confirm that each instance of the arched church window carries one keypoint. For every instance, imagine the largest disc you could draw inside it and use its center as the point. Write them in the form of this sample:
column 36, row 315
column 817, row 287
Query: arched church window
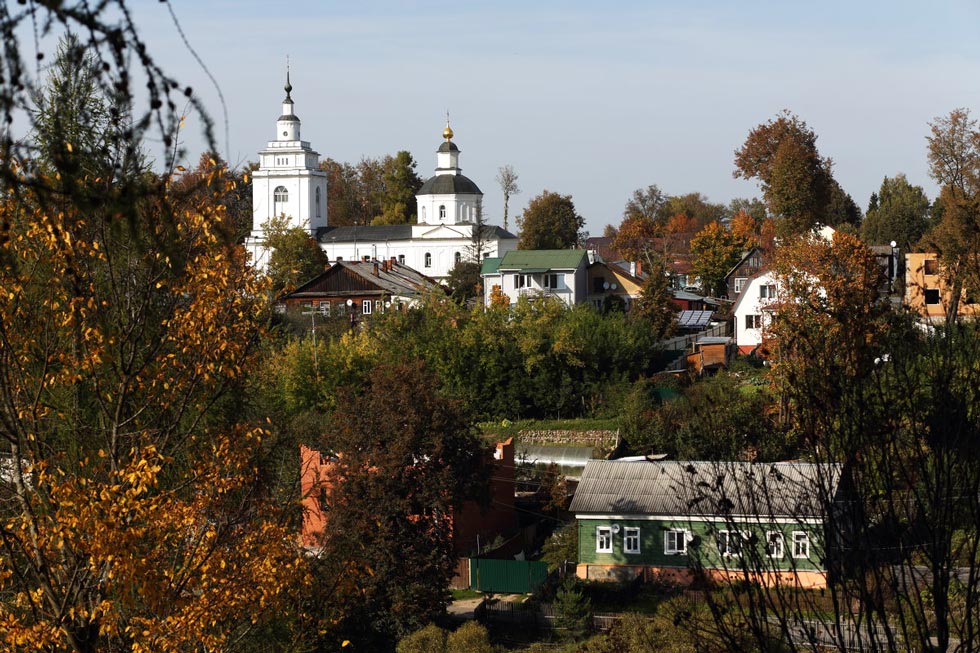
column 318, row 202
column 459, row 257
column 442, row 211
column 428, row 260
column 279, row 197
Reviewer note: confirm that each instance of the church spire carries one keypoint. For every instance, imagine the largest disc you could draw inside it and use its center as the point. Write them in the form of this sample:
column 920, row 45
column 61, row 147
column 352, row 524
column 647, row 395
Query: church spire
column 447, row 133
column 289, row 87
column 287, row 127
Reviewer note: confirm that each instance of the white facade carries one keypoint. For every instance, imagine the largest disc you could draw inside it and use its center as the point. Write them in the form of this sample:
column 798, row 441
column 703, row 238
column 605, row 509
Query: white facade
column 288, row 183
column 448, row 197
column 560, row 284
column 751, row 311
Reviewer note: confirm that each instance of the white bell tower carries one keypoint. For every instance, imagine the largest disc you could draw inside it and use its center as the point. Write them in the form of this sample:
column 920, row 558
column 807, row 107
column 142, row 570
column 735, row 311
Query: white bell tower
column 288, row 183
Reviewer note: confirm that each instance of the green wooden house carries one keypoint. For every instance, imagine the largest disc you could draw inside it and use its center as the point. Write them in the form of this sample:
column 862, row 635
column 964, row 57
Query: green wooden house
column 675, row 519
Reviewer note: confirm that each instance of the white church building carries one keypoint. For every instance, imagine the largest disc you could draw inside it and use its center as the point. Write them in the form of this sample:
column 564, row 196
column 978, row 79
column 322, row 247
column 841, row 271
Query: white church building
column 289, row 183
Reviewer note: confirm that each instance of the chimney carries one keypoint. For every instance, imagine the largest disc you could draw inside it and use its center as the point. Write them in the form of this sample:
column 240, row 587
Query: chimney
column 375, row 268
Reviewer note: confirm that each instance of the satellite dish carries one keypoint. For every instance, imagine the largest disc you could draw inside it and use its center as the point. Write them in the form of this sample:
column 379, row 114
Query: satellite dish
column 605, row 285
column 350, row 302
column 614, row 286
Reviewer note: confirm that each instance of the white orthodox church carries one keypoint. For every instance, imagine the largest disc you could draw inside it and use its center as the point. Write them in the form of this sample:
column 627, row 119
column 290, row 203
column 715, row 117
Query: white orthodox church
column 289, row 183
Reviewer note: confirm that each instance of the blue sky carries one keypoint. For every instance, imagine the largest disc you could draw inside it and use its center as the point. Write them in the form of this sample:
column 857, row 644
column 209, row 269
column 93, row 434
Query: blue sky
column 583, row 98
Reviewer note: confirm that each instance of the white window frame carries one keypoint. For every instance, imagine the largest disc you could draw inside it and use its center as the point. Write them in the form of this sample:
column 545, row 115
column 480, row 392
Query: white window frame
column 520, row 281
column 325, row 308
column 729, row 551
column 775, row 538
column 739, row 284
column 767, row 291
column 753, row 321
column 672, row 549
column 603, row 539
column 552, row 280
column 366, row 307
column 631, row 532
column 801, row 544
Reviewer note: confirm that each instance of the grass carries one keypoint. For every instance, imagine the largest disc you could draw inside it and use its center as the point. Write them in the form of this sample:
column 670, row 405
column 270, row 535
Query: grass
column 462, row 595
column 505, row 429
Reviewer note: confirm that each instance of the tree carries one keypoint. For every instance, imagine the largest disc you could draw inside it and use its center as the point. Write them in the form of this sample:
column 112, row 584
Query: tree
column 898, row 212
column 716, row 251
column 796, row 181
column 696, row 208
column 550, row 222
column 635, row 239
column 507, row 180
column 573, row 610
column 561, row 547
column 399, row 183
column 394, row 488
column 655, row 307
column 295, row 257
column 346, row 197
column 464, row 281
column 648, row 203
column 841, row 208
column 954, row 161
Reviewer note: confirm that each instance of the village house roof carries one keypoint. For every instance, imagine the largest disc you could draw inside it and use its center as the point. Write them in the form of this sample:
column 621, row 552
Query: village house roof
column 542, row 260
column 385, row 277
column 389, row 232
column 706, row 489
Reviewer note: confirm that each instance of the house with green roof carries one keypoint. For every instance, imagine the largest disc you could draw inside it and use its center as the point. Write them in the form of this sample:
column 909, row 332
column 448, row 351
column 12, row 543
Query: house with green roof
column 559, row 273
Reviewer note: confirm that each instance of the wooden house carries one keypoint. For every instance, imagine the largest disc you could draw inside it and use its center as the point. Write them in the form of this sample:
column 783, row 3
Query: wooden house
column 676, row 520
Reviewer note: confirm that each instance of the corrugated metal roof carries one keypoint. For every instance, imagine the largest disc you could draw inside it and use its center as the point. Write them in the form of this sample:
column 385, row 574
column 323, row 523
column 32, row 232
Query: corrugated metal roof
column 705, row 488
column 563, row 456
column 547, row 259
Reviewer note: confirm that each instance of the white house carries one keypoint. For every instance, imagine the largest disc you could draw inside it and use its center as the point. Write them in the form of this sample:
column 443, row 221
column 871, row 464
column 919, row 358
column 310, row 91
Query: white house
column 561, row 273
column 751, row 310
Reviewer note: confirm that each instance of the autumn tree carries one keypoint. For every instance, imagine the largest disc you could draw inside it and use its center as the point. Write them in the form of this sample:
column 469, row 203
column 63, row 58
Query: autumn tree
column 374, row 191
column 696, row 208
column 294, row 257
column 954, row 161
column 648, row 203
column 507, row 180
column 715, row 251
column 796, row 181
column 635, row 239
column 898, row 212
column 405, row 459
column 550, row 221
column 655, row 308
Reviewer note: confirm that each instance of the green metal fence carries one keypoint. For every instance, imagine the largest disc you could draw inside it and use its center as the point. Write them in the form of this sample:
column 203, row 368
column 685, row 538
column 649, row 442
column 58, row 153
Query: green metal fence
column 506, row 576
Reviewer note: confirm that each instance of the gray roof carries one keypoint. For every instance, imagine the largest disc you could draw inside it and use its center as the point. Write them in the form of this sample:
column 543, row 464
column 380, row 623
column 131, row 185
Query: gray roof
column 369, row 233
column 448, row 146
column 449, row 185
column 706, row 489
column 397, row 280
column 292, row 118
column 564, row 456
column 382, row 232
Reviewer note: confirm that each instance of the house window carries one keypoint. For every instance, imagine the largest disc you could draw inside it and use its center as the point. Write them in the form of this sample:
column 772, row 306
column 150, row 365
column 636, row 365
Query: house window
column 325, row 308
column 366, row 307
column 428, row 260
column 458, row 257
column 729, row 543
column 318, row 202
column 603, row 539
column 520, row 280
column 931, row 266
column 401, row 259
column 675, row 541
column 442, row 211
column 551, row 281
column 767, row 292
column 631, row 540
column 753, row 321
column 739, row 284
column 774, row 544
column 801, row 544
column 932, row 295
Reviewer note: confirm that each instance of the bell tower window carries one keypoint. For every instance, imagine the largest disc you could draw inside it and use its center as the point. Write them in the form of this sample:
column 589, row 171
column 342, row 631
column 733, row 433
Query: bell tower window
column 442, row 211
column 279, row 198
column 317, row 199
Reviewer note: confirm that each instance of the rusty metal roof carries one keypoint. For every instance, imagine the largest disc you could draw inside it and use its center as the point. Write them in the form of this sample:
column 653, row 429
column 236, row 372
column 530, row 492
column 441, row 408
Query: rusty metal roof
column 708, row 489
